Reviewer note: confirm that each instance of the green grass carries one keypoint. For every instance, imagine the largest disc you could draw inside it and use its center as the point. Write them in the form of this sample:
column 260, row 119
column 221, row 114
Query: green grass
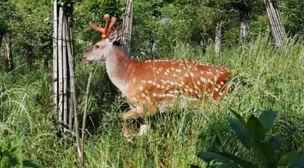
column 272, row 79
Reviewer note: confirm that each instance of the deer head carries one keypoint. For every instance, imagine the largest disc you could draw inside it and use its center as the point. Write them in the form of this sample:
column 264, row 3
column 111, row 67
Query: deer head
column 109, row 37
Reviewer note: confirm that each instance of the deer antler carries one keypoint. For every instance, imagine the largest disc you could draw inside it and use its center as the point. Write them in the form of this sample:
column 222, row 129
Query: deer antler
column 112, row 24
column 107, row 29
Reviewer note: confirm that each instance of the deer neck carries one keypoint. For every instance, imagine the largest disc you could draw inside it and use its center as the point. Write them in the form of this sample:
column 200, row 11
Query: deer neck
column 119, row 66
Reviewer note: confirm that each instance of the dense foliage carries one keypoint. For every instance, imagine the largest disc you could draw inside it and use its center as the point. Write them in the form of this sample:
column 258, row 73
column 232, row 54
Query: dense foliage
column 265, row 78
column 190, row 21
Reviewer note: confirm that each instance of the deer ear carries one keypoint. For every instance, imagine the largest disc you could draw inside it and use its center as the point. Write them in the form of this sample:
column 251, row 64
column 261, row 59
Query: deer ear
column 115, row 35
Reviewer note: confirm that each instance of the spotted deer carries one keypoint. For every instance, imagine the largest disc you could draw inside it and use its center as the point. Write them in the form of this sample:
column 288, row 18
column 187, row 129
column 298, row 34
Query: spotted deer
column 147, row 85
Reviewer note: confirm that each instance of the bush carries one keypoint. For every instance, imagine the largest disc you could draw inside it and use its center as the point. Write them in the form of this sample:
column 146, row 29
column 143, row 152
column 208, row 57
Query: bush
column 255, row 135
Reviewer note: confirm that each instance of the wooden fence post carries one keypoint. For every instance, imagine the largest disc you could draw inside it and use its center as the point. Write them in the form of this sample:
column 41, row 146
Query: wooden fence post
column 276, row 25
column 127, row 27
column 64, row 98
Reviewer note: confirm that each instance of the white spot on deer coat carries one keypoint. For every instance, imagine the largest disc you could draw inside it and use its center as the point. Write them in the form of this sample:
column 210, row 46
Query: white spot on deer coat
column 203, row 79
column 177, row 70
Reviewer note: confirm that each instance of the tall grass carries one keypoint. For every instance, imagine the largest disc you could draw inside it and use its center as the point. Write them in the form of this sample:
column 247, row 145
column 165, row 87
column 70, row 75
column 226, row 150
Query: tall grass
column 263, row 78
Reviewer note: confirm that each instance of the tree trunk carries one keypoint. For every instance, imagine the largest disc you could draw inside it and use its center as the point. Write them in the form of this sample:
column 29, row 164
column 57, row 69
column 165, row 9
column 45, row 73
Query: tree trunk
column 45, row 62
column 218, row 36
column 152, row 47
column 1, row 37
column 244, row 35
column 276, row 25
column 8, row 57
column 127, row 27
column 30, row 56
column 204, row 43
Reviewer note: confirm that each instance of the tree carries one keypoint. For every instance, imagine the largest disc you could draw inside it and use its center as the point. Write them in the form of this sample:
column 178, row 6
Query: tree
column 31, row 30
column 7, row 13
column 292, row 12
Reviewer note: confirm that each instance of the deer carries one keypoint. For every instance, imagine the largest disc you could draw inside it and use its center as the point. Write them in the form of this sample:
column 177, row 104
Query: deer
column 148, row 85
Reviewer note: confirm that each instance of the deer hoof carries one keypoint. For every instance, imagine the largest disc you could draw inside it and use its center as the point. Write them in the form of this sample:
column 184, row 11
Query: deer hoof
column 127, row 136
column 143, row 129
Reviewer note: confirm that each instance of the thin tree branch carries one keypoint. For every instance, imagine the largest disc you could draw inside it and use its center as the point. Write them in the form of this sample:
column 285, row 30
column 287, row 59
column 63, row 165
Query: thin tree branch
column 85, row 110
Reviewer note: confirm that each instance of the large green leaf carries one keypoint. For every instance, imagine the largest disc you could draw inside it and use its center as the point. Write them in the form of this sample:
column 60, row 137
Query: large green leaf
column 297, row 163
column 209, row 156
column 267, row 151
column 255, row 129
column 267, row 118
column 239, row 117
column 288, row 158
column 276, row 142
column 238, row 160
column 240, row 131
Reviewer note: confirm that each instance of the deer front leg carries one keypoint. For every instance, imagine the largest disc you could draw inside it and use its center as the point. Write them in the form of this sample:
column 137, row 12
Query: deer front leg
column 131, row 114
column 143, row 129
column 138, row 111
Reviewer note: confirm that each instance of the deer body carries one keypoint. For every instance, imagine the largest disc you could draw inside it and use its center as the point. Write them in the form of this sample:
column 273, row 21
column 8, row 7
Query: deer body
column 147, row 84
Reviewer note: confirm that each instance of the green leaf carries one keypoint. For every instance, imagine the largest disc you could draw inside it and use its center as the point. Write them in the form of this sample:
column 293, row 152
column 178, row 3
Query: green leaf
column 276, row 142
column 297, row 163
column 14, row 150
column 255, row 129
column 238, row 160
column 194, row 166
column 28, row 163
column 209, row 156
column 288, row 158
column 240, row 131
column 267, row 118
column 281, row 85
column 268, row 153
column 14, row 161
column 239, row 117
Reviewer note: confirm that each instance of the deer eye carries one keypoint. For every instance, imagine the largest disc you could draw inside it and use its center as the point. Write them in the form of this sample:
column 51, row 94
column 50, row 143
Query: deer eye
column 96, row 46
